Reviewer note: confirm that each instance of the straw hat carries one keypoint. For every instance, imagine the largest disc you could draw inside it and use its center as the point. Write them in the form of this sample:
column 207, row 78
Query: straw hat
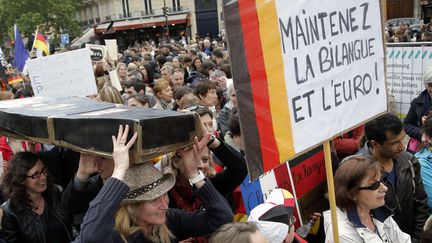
column 146, row 183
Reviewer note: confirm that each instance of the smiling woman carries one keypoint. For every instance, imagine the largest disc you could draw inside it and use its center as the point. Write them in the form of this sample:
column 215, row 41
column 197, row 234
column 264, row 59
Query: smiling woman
column 33, row 212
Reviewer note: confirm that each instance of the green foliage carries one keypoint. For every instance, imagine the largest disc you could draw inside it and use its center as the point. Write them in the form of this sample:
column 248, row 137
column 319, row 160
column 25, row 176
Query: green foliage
column 45, row 14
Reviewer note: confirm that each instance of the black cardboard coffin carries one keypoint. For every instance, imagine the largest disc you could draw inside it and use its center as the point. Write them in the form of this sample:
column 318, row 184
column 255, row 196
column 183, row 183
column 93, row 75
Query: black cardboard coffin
column 28, row 118
column 160, row 131
column 86, row 125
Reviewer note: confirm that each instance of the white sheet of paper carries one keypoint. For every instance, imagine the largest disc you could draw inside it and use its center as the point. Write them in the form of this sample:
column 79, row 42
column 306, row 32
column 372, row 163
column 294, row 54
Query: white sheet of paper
column 115, row 81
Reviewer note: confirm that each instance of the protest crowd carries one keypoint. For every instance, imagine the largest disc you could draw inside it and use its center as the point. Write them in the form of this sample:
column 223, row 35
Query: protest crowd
column 405, row 33
column 55, row 194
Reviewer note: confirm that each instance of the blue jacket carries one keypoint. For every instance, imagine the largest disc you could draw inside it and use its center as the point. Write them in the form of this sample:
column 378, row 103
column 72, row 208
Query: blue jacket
column 424, row 156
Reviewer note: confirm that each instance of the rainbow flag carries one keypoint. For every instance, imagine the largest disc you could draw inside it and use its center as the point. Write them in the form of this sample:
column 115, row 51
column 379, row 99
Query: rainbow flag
column 40, row 43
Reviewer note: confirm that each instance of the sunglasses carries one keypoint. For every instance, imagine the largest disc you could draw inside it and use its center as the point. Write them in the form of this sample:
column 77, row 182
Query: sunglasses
column 38, row 174
column 373, row 186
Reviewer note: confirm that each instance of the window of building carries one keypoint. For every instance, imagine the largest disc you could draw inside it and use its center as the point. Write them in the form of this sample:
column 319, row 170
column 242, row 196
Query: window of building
column 205, row 4
column 148, row 7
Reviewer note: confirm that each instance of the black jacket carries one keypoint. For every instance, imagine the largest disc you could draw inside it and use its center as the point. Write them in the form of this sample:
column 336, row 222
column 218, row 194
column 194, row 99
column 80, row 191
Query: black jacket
column 417, row 110
column 231, row 177
column 77, row 196
column 26, row 226
column 408, row 199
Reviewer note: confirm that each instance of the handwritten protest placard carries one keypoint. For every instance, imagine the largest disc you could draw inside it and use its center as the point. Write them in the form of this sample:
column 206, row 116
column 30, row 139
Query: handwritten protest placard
column 312, row 69
column 63, row 75
column 333, row 66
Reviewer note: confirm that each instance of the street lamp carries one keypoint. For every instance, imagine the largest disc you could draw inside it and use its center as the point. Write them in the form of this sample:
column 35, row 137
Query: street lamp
column 165, row 12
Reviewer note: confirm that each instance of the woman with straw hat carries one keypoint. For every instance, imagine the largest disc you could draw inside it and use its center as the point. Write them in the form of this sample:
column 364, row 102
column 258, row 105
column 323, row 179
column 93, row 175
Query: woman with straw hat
column 140, row 194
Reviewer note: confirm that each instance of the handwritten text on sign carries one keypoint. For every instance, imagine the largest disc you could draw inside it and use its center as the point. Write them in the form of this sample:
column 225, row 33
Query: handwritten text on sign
column 333, row 65
column 63, row 75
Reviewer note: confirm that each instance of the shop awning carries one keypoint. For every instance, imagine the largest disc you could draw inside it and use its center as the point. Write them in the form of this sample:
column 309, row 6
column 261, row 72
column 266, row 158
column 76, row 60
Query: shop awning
column 149, row 22
column 84, row 38
column 102, row 27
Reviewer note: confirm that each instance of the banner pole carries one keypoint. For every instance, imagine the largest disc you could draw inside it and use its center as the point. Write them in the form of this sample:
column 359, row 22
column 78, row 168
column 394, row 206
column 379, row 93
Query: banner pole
column 331, row 192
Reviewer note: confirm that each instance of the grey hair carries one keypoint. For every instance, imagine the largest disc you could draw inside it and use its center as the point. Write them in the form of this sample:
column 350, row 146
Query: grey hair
column 427, row 76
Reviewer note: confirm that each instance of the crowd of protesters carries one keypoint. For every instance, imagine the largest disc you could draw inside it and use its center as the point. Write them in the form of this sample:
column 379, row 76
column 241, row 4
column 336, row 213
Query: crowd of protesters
column 405, row 33
column 52, row 194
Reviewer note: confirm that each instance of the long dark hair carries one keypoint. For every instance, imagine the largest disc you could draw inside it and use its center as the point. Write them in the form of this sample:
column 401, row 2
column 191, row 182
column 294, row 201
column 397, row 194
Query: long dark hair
column 13, row 187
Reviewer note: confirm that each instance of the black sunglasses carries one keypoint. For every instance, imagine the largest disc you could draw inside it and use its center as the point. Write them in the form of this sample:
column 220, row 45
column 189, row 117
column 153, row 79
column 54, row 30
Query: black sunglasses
column 373, row 186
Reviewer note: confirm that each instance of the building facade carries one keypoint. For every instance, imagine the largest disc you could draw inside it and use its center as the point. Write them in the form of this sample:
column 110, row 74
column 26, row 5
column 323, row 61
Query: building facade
column 129, row 21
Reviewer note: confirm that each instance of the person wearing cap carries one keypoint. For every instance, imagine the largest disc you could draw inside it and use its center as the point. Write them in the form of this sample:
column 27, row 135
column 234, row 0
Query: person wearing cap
column 132, row 206
column 418, row 111
column 275, row 218
column 361, row 214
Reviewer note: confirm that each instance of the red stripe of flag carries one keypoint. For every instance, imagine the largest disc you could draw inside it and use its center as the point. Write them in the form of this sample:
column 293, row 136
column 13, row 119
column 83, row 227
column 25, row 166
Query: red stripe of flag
column 40, row 37
column 258, row 77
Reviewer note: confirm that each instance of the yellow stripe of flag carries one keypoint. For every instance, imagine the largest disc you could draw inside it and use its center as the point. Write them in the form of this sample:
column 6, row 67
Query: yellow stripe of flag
column 272, row 51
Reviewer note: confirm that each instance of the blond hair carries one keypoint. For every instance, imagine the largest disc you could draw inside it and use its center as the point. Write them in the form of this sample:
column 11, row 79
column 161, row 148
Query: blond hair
column 110, row 94
column 126, row 224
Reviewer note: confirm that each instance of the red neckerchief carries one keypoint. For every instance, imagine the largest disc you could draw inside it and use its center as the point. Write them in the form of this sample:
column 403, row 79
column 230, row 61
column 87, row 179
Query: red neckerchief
column 186, row 200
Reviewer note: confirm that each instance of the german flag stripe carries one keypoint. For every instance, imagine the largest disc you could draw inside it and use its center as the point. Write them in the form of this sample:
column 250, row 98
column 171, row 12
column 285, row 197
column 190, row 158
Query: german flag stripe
column 244, row 90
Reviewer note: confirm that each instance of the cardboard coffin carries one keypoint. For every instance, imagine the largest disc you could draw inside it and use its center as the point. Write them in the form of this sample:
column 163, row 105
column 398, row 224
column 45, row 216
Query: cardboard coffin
column 86, row 125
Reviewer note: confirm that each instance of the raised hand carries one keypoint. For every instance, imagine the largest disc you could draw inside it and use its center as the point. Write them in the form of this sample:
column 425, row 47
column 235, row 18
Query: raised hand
column 121, row 151
column 88, row 165
column 191, row 161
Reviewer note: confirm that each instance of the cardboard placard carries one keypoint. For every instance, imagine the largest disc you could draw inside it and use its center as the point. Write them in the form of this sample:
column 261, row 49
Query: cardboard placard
column 112, row 48
column 97, row 52
column 304, row 71
column 63, row 75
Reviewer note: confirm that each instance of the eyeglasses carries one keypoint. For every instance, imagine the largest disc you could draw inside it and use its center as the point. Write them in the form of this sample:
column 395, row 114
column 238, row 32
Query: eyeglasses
column 373, row 186
column 38, row 174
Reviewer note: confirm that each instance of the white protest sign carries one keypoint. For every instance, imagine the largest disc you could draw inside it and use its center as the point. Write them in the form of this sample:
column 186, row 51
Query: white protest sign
column 97, row 52
column 115, row 81
column 63, row 75
column 112, row 48
column 3, row 62
column 333, row 66
column 405, row 67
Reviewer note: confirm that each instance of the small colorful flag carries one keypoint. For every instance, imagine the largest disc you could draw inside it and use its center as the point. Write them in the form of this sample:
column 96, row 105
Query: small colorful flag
column 40, row 43
column 20, row 52
column 15, row 78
